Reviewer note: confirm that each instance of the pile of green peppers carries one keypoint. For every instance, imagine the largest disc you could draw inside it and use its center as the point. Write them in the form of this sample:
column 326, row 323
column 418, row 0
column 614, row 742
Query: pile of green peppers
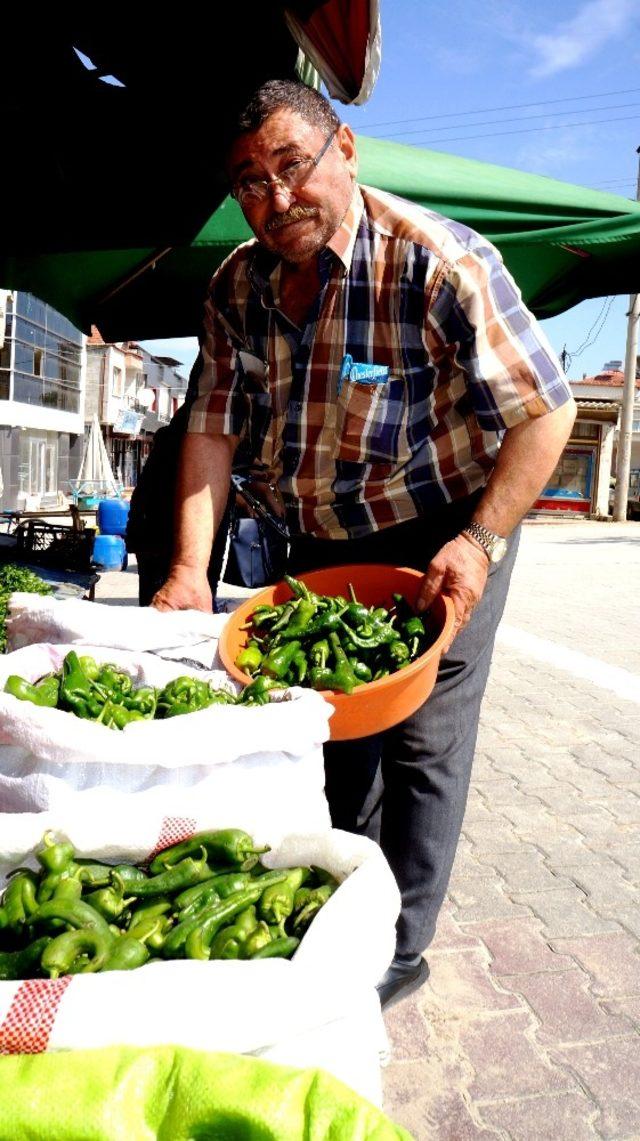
column 326, row 642
column 106, row 694
column 208, row 897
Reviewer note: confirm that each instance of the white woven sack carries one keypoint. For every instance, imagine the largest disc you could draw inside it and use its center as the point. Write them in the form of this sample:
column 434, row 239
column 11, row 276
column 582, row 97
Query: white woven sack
column 269, row 756
column 36, row 618
column 294, row 1011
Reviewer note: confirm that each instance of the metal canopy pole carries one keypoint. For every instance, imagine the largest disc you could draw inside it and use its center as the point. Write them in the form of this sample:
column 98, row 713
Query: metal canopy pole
column 623, row 461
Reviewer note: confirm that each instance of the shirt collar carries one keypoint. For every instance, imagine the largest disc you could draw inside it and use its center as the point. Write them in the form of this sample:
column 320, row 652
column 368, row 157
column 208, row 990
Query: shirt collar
column 264, row 269
column 343, row 241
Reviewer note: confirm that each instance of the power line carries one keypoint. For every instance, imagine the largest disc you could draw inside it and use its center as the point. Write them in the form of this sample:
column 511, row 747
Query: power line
column 530, row 130
column 507, row 107
column 596, row 329
column 499, row 122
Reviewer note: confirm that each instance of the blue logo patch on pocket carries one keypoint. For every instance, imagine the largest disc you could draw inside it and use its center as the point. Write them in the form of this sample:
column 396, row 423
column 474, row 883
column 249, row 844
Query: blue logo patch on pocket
column 357, row 373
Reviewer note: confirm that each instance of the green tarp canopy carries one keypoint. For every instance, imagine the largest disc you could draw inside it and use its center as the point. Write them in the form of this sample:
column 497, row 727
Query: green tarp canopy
column 563, row 244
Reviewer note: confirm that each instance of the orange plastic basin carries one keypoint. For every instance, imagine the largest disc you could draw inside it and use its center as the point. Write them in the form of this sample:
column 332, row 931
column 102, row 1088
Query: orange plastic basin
column 378, row 705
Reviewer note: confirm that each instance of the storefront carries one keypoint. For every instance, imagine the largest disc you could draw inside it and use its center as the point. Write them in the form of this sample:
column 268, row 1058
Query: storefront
column 581, row 480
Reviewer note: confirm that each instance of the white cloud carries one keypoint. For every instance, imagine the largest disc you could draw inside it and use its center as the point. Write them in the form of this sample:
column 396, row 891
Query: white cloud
column 556, row 156
column 577, row 40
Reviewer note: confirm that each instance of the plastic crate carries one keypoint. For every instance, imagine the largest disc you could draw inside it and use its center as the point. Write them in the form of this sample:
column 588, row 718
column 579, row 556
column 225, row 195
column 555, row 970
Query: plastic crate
column 55, row 545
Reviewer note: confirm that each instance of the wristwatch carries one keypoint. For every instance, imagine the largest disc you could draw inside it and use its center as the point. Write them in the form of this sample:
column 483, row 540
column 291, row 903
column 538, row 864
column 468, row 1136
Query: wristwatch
column 494, row 546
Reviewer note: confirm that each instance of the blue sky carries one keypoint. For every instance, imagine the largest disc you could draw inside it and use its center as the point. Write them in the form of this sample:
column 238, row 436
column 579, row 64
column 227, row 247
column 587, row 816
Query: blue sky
column 575, row 63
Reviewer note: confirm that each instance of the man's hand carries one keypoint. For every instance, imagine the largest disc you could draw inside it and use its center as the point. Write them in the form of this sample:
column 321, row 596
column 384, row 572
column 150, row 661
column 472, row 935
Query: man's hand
column 185, row 589
column 460, row 570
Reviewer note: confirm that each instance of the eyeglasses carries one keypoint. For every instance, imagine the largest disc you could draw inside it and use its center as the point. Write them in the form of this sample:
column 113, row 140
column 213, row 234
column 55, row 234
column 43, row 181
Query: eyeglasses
column 251, row 190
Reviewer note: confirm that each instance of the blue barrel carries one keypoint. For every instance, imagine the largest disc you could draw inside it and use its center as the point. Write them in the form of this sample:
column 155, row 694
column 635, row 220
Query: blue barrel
column 109, row 552
column 112, row 516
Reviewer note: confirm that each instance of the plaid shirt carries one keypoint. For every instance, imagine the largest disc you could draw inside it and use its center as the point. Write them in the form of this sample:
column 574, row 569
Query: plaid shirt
column 459, row 360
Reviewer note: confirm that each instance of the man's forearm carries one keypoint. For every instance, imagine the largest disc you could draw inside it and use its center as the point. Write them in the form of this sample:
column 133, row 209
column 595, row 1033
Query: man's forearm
column 201, row 497
column 526, row 460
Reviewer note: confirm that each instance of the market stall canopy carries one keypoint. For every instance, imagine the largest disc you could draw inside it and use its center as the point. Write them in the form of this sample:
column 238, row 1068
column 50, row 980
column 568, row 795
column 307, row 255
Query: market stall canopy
column 117, row 116
column 563, row 244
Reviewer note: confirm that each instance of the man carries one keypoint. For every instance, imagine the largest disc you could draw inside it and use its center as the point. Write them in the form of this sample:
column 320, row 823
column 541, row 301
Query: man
column 379, row 361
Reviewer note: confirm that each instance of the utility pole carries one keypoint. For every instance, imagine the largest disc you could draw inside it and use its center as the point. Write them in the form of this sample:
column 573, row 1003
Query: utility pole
column 623, row 462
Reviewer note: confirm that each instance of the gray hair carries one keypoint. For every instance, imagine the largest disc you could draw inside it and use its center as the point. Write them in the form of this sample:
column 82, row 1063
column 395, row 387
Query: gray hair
column 276, row 94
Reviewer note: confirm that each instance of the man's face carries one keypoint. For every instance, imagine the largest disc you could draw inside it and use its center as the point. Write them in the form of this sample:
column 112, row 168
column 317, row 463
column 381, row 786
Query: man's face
column 295, row 223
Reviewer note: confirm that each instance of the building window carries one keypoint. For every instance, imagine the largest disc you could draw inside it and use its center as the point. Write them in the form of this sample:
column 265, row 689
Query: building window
column 117, row 387
column 585, row 430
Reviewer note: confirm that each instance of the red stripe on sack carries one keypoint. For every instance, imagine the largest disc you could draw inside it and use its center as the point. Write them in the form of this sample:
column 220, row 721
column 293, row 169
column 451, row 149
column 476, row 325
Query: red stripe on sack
column 29, row 1020
column 172, row 830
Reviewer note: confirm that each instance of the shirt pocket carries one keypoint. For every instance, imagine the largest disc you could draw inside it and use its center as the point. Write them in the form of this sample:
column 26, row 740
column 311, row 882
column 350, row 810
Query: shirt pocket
column 372, row 420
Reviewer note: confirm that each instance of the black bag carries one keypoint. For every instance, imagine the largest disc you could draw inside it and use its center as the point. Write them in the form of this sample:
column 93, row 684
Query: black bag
column 258, row 546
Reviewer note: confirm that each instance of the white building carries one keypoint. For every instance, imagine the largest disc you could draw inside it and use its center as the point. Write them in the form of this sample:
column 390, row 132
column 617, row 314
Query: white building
column 42, row 416
column 133, row 394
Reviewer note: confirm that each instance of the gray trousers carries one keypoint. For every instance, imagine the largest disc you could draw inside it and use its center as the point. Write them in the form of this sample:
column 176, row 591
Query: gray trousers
column 407, row 788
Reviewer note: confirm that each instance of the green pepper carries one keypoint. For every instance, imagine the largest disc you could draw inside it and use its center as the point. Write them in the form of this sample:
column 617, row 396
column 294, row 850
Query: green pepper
column 15, row 965
column 263, row 614
column 109, row 902
column 255, row 940
column 360, row 669
column 325, row 622
column 19, row 901
column 227, row 944
column 276, row 663
column 55, row 856
column 77, row 692
column 356, row 613
column 76, row 914
column 199, row 939
column 116, row 684
column 91, row 873
column 76, row 952
column 319, row 654
column 381, row 633
column 66, row 888
column 201, row 895
column 297, row 625
column 257, row 693
column 277, row 901
column 225, row 849
column 282, row 948
column 174, row 877
column 126, row 954
column 286, row 612
column 398, row 652
column 300, row 589
column 250, row 658
column 150, row 909
column 151, row 930
column 183, row 695
column 200, row 929
column 89, row 666
column 115, row 716
column 44, row 692
column 142, row 700
column 343, row 677
column 314, row 901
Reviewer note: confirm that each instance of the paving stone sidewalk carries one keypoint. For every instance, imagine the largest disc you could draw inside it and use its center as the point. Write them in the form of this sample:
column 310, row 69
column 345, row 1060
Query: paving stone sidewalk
column 529, row 1027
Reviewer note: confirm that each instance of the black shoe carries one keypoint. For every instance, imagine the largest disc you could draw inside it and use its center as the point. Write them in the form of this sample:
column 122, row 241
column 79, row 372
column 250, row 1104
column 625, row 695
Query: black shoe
column 400, row 980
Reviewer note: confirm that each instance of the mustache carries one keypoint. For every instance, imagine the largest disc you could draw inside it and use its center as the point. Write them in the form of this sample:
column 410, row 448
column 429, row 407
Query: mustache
column 294, row 214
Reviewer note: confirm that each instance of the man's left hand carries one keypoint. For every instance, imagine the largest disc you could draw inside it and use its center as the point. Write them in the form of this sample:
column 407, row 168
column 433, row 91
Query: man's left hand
column 460, row 570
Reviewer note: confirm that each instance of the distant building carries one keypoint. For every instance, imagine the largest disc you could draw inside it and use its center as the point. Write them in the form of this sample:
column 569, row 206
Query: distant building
column 42, row 368
column 133, row 394
column 582, row 479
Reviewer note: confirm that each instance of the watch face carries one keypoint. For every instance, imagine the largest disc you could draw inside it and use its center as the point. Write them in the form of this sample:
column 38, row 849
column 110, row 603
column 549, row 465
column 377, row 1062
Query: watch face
column 499, row 550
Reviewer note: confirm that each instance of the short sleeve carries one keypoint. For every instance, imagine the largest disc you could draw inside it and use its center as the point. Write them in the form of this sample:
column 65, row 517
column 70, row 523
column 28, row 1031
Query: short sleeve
column 476, row 315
